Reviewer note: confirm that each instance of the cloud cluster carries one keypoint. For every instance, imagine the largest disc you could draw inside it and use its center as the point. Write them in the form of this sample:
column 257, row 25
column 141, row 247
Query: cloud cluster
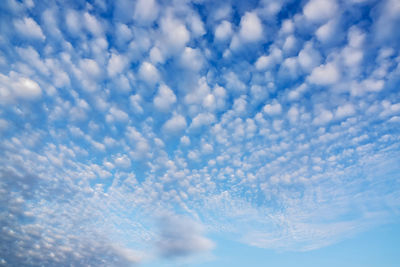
column 137, row 130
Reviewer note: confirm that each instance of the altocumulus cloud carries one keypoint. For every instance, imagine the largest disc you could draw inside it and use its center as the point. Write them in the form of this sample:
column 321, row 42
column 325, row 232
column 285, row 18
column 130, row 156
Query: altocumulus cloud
column 134, row 131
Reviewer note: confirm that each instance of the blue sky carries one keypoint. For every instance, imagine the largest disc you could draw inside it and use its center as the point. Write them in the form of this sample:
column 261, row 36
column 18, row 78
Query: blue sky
column 199, row 133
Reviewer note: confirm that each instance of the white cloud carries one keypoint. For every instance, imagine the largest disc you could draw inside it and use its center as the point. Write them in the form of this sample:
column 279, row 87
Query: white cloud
column 196, row 25
column 135, row 101
column 308, row 57
column 146, row 11
column 123, row 33
column 372, row 85
column 175, row 125
column 324, row 74
column 73, row 22
column 202, row 119
column 29, row 28
column 92, row 24
column 116, row 114
column 223, row 31
column 192, row 59
column 345, row 111
column 175, row 35
column 156, row 55
column 18, row 87
column 320, row 10
column 234, row 83
column 251, row 29
column 323, row 117
column 116, row 64
column 149, row 73
column 273, row 109
column 293, row 114
column 269, row 61
column 91, row 68
column 240, row 105
column 185, row 140
column 122, row 162
column 164, row 99
column 326, row 32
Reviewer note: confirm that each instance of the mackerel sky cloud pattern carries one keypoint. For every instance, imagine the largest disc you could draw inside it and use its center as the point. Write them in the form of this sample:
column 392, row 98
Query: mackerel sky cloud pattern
column 137, row 132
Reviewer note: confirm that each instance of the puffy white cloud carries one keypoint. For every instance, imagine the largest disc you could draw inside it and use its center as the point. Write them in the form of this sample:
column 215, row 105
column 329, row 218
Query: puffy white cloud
column 309, row 58
column 135, row 101
column 344, row 111
column 156, row 55
column 164, row 99
column 146, row 11
column 26, row 88
column 116, row 114
column 251, row 29
column 240, row 105
column 327, row 74
column 269, row 61
column 27, row 27
column 73, row 22
column 293, row 114
column 116, row 64
column 320, row 10
column 175, row 35
column 234, row 83
column 91, row 68
column 372, row 85
column 223, row 31
column 92, row 24
column 149, row 73
column 192, row 59
column 185, row 140
column 175, row 125
column 272, row 109
column 16, row 87
column 326, row 32
column 123, row 33
column 122, row 161
column 323, row 117
column 196, row 25
column 202, row 119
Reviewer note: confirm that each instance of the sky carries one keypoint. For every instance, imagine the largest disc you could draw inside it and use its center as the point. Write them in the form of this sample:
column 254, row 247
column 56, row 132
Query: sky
column 199, row 133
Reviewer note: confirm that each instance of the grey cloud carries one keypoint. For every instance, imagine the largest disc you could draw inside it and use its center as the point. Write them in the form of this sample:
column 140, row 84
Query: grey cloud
column 181, row 236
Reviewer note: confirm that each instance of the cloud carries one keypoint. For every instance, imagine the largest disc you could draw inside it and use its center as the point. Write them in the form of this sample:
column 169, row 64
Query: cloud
column 122, row 162
column 164, row 99
column 72, row 21
column 323, row 117
column 175, row 125
column 251, row 29
column 148, row 73
column 324, row 74
column 180, row 236
column 27, row 27
column 191, row 59
column 259, row 122
column 146, row 11
column 175, row 35
column 273, row 109
column 116, row 64
column 223, row 31
column 345, row 111
column 320, row 10
column 17, row 87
